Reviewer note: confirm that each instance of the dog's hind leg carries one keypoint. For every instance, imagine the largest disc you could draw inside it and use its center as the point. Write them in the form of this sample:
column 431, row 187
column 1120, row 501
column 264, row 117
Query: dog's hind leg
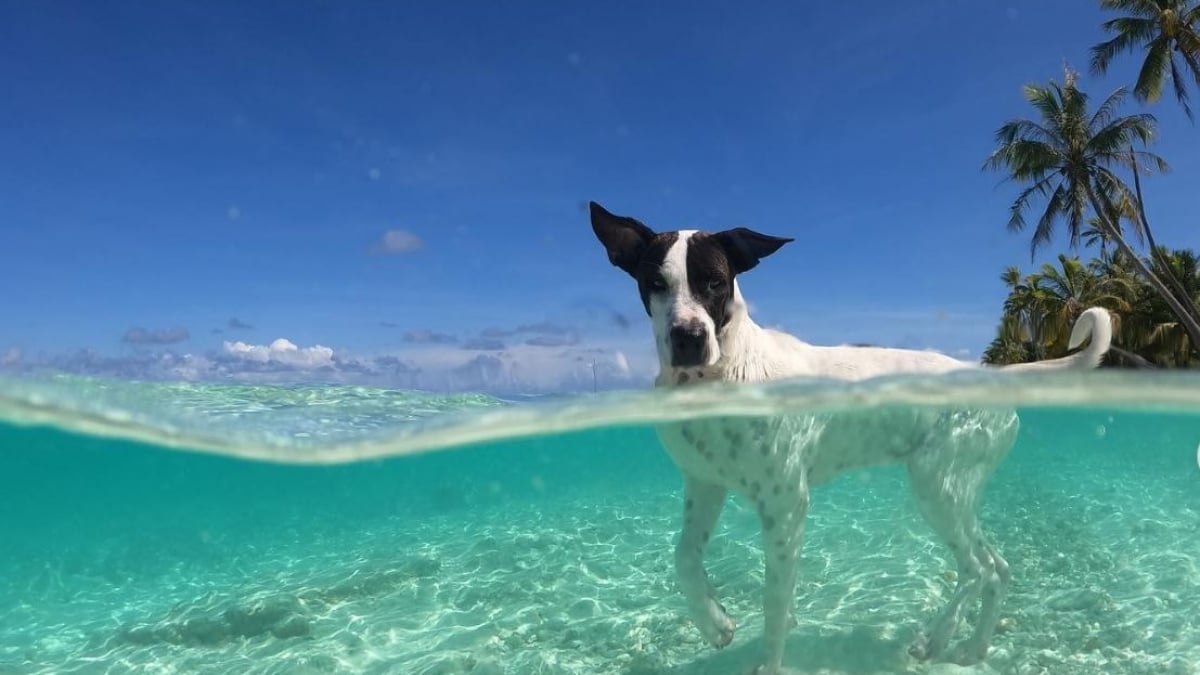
column 946, row 497
column 995, row 585
column 703, row 503
column 948, row 482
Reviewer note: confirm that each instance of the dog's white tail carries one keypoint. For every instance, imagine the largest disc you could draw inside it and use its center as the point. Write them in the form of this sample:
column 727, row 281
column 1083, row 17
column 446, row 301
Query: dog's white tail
column 1096, row 323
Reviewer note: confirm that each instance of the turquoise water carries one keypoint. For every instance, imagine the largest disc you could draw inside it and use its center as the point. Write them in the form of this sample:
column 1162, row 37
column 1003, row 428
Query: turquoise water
column 179, row 528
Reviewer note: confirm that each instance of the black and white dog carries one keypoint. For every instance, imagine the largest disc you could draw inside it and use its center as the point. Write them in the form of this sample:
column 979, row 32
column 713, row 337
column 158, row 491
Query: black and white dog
column 703, row 332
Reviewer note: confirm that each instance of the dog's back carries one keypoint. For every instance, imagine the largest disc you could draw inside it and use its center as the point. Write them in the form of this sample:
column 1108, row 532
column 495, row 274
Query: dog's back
column 786, row 356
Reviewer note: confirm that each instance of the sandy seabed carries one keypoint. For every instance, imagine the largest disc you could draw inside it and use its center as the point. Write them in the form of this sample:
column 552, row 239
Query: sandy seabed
column 1106, row 580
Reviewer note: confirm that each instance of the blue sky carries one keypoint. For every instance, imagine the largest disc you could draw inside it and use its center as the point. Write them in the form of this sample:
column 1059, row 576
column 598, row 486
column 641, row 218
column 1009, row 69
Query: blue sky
column 170, row 167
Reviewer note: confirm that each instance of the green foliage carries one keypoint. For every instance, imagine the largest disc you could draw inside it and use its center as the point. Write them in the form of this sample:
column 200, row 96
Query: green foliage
column 1167, row 32
column 1070, row 157
column 1042, row 307
column 1069, row 154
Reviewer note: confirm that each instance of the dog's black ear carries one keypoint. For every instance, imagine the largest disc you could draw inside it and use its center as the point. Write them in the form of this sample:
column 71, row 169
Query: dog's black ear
column 624, row 238
column 744, row 248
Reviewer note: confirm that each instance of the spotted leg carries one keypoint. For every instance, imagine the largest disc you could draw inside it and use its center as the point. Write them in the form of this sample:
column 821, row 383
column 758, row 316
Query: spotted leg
column 703, row 503
column 782, row 519
column 948, row 498
column 995, row 580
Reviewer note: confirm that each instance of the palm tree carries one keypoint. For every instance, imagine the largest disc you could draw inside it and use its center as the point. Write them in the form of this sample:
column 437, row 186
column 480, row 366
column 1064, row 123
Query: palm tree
column 1021, row 329
column 1168, row 31
column 1069, row 157
column 1150, row 328
column 1012, row 344
column 1145, row 233
column 1072, row 287
column 1042, row 307
column 1095, row 234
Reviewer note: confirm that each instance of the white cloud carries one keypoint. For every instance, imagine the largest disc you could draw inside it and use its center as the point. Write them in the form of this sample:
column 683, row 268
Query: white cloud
column 399, row 241
column 187, row 367
column 281, row 351
column 519, row 369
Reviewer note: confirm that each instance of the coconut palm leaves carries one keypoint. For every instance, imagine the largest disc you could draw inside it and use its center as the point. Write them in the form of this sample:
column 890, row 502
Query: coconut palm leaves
column 1068, row 154
column 1041, row 308
column 1168, row 32
column 1069, row 158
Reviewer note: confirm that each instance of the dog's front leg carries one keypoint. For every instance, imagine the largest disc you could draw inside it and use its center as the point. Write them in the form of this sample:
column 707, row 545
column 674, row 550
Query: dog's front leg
column 703, row 503
column 782, row 518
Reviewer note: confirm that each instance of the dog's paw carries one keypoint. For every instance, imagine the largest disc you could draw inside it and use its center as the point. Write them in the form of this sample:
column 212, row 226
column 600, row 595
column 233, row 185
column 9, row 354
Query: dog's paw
column 919, row 649
column 715, row 624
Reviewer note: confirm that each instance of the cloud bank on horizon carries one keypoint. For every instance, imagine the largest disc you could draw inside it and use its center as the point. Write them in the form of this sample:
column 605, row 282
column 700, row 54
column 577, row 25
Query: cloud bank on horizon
column 542, row 358
column 497, row 368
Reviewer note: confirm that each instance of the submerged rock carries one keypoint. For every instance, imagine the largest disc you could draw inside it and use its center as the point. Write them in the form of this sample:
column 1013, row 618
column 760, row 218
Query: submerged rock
column 281, row 616
column 293, row 626
column 260, row 616
column 1078, row 600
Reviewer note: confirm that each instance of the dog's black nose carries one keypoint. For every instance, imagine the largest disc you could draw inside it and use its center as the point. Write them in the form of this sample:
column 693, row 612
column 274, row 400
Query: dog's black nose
column 689, row 345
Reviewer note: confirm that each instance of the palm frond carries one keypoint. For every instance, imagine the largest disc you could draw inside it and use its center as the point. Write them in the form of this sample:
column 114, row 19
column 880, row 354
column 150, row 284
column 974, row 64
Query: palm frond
column 1180, row 86
column 1016, row 220
column 1130, row 33
column 1048, row 101
column 1106, row 110
column 1117, row 136
column 1149, row 84
column 1057, row 206
column 1192, row 16
column 1118, row 202
column 1027, row 159
column 1189, row 50
column 1014, row 130
column 1142, row 7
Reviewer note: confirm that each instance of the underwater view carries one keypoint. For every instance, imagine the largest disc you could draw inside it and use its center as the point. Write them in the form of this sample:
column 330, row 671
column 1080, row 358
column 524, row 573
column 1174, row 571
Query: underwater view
column 600, row 338
column 177, row 528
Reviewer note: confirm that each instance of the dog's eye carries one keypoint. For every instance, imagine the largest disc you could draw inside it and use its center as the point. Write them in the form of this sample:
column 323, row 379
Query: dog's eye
column 716, row 284
column 658, row 284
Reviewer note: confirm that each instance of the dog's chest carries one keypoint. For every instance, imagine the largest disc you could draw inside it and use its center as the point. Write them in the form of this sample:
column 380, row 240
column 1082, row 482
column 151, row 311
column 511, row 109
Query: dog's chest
column 744, row 454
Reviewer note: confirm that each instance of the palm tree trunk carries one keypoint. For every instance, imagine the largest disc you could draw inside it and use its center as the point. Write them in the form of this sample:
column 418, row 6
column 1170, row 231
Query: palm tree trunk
column 1154, row 252
column 1137, row 361
column 1191, row 325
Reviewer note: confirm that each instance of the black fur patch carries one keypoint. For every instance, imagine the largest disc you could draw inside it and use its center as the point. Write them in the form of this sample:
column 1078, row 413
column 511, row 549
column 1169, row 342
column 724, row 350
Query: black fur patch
column 713, row 260
column 710, row 276
column 649, row 269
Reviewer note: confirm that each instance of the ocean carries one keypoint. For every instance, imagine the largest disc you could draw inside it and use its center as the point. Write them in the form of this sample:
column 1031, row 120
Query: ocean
column 150, row 527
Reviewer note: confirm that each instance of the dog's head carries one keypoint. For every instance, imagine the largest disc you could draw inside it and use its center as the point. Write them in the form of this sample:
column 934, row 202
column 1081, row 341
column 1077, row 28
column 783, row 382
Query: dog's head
column 687, row 280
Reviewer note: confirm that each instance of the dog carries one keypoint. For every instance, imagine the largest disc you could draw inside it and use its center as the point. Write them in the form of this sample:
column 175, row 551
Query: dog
column 688, row 283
